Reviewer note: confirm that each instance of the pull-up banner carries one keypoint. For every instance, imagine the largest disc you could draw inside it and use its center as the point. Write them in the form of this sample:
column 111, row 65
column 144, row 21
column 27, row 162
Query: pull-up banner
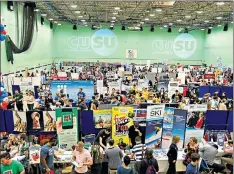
column 195, row 122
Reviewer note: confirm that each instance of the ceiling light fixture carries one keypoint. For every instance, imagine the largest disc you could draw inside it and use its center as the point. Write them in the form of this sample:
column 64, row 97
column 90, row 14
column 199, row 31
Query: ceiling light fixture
column 112, row 21
column 199, row 12
column 158, row 10
column 219, row 17
column 219, row 3
column 232, row 22
column 50, row 19
column 74, row 6
column 55, row 22
column 77, row 12
column 161, row 28
column 165, row 26
column 142, row 22
column 219, row 25
column 80, row 16
column 36, row 9
column 43, row 14
column 117, row 8
column 111, row 27
column 151, row 15
column 113, row 17
column 146, row 19
column 206, row 21
column 115, row 13
column 86, row 25
column 170, row 24
column 178, row 20
column 59, row 24
column 187, row 16
column 210, row 27
column 82, row 20
column 202, row 29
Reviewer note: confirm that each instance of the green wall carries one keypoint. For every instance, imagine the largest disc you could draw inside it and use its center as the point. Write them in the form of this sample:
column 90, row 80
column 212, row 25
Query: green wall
column 64, row 43
column 106, row 45
column 40, row 51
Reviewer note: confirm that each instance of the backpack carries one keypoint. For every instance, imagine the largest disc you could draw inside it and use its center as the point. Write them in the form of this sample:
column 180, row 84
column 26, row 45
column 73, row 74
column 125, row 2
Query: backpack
column 150, row 169
column 96, row 154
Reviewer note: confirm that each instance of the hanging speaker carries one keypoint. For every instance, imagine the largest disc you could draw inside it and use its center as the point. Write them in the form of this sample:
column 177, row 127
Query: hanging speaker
column 51, row 25
column 225, row 28
column 42, row 21
column 209, row 31
column 10, row 5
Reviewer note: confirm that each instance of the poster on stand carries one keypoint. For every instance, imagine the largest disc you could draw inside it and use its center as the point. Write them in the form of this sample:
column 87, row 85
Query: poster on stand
column 153, row 134
column 167, row 127
column 140, row 116
column 35, row 120
column 179, row 125
column 49, row 121
column 20, row 124
column 102, row 118
column 122, row 119
column 34, row 154
column 155, row 112
column 71, row 87
column 195, row 122
column 67, row 127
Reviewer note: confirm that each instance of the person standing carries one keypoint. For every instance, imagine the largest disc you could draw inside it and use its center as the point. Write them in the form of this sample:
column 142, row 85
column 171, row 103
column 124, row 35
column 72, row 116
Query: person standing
column 47, row 156
column 83, row 158
column 18, row 97
column 9, row 166
column 81, row 94
column 30, row 101
column 103, row 137
column 192, row 167
column 172, row 155
column 124, row 168
column 113, row 155
column 134, row 131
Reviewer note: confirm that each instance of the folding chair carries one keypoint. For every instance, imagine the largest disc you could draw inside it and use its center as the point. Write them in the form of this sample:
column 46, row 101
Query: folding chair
column 204, row 168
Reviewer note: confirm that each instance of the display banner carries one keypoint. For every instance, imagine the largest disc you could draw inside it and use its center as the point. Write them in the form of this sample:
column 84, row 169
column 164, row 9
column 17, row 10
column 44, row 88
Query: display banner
column 67, row 127
column 153, row 134
column 115, row 85
column 20, row 124
column 195, row 122
column 72, row 87
column 209, row 76
column 127, row 75
column 140, row 116
column 172, row 87
column 163, row 84
column 179, row 125
column 49, row 121
column 102, row 118
column 34, row 154
column 167, row 127
column 122, row 119
column 35, row 121
column 155, row 112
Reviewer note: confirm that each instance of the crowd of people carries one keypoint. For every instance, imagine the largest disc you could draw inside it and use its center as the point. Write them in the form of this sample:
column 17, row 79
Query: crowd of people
column 104, row 153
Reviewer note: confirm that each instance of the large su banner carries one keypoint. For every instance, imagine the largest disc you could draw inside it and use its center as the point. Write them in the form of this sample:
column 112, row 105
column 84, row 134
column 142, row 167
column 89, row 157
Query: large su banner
column 67, row 127
column 122, row 119
column 195, row 122
column 154, row 123
column 71, row 87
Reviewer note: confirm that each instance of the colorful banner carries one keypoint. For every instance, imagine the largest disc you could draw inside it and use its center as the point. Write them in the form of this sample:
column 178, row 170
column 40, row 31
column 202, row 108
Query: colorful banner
column 209, row 76
column 155, row 112
column 179, row 125
column 153, row 134
column 72, row 87
column 140, row 116
column 102, row 118
column 20, row 124
column 35, row 121
column 34, row 154
column 122, row 119
column 195, row 122
column 167, row 127
column 49, row 121
column 67, row 137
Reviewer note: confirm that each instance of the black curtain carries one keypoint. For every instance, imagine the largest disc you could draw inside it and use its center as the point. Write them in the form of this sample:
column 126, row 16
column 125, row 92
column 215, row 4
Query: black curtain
column 26, row 34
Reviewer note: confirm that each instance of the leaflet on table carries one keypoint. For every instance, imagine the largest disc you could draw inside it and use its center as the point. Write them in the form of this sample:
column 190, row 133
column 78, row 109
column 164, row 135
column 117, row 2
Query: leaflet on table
column 195, row 122
column 122, row 119
column 167, row 127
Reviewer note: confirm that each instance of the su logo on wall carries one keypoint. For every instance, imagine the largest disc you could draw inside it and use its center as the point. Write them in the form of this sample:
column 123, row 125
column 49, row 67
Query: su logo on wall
column 182, row 46
column 103, row 42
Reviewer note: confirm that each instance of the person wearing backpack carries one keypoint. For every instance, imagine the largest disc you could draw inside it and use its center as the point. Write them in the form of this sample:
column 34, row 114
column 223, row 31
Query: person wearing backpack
column 149, row 165
column 172, row 155
column 97, row 154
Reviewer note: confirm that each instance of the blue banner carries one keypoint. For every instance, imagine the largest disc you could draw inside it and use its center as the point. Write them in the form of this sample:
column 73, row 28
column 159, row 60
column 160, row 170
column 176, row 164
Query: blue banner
column 72, row 88
column 179, row 122
column 167, row 127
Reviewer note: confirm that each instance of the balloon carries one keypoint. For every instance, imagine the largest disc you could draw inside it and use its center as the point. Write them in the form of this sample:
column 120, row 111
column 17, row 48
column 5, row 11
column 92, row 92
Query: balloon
column 2, row 37
column 1, row 28
column 3, row 32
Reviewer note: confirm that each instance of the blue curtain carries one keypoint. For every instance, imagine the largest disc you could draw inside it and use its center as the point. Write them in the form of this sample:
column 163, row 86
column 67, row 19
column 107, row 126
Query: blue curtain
column 87, row 123
column 216, row 120
column 14, row 88
column 230, row 121
column 203, row 90
column 2, row 122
